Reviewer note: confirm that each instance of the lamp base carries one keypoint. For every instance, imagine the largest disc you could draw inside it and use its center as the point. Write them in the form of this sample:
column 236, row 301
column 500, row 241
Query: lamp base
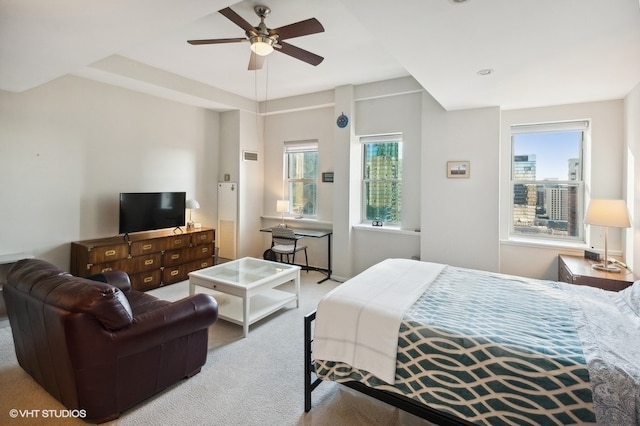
column 605, row 267
column 191, row 225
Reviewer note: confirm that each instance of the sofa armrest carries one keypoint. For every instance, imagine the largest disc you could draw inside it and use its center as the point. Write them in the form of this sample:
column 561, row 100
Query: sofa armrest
column 178, row 319
column 118, row 279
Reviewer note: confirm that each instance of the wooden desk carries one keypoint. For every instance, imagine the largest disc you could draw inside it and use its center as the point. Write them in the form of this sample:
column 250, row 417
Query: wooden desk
column 315, row 233
column 578, row 270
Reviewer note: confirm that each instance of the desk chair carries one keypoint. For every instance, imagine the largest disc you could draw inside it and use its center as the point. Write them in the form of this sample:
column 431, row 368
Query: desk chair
column 285, row 241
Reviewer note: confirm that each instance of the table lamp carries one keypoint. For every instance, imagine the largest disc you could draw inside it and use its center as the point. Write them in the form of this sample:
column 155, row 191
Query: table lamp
column 282, row 206
column 191, row 205
column 607, row 213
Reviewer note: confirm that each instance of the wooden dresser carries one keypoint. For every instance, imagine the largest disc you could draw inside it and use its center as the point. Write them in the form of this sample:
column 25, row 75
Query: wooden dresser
column 578, row 270
column 151, row 259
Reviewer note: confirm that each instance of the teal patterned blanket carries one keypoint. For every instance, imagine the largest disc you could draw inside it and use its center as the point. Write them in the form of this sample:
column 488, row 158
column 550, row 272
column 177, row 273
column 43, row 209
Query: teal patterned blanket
column 490, row 349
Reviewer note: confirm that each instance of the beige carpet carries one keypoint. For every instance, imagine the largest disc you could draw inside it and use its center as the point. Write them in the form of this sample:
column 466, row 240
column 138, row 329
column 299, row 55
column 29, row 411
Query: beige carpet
column 253, row 381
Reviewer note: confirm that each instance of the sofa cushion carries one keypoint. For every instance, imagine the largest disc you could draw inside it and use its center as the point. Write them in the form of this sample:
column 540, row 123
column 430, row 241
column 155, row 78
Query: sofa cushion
column 106, row 302
column 142, row 302
column 74, row 294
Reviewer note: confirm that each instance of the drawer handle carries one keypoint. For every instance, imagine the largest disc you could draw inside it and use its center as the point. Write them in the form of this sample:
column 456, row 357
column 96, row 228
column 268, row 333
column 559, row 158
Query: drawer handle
column 110, row 253
column 106, row 270
column 148, row 262
column 175, row 256
column 147, row 247
column 204, row 264
column 205, row 249
column 174, row 273
column 176, row 242
column 148, row 279
column 203, row 237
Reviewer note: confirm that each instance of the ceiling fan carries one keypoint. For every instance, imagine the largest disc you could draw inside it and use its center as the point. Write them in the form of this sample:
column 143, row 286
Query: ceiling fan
column 264, row 40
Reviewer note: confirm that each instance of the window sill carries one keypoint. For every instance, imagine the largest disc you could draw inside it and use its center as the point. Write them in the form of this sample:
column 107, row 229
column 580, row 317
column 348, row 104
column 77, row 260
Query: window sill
column 388, row 229
column 548, row 244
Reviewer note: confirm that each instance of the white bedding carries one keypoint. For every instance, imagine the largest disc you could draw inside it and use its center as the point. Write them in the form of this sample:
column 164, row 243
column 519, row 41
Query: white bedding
column 344, row 331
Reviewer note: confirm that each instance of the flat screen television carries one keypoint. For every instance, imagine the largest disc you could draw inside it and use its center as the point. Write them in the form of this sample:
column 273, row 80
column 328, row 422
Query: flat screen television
column 146, row 211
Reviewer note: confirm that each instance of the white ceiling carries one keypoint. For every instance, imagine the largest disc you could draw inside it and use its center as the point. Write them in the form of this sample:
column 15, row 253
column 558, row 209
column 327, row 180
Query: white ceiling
column 543, row 52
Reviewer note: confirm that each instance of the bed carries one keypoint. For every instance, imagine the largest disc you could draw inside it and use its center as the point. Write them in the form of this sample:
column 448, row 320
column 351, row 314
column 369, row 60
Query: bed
column 463, row 346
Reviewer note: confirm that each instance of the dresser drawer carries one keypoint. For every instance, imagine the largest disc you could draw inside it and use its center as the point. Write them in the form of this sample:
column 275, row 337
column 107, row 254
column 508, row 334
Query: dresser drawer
column 150, row 258
column 177, row 241
column 146, row 280
column 175, row 257
column 201, row 251
column 199, row 264
column 139, row 248
column 98, row 268
column 563, row 274
column 174, row 274
column 145, row 263
column 203, row 237
column 107, row 253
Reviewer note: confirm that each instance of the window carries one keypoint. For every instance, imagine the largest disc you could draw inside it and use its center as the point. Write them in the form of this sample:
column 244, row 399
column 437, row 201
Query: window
column 382, row 179
column 301, row 171
column 547, row 180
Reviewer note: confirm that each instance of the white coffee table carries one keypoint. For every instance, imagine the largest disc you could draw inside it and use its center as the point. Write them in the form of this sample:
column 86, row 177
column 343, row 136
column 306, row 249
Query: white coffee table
column 253, row 282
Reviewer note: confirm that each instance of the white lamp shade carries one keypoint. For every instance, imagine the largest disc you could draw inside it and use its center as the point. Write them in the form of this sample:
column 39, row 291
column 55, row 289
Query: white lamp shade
column 604, row 212
column 261, row 45
column 282, row 206
column 192, row 204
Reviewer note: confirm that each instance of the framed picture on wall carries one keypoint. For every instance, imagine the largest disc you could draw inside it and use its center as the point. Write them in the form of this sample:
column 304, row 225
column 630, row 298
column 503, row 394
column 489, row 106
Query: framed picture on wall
column 458, row 169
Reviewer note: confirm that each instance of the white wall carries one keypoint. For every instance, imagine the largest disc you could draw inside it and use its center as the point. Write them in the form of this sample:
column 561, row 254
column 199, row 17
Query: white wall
column 607, row 165
column 460, row 216
column 298, row 125
column 311, row 124
column 251, row 186
column 385, row 112
column 69, row 147
column 632, row 193
column 242, row 131
column 386, row 107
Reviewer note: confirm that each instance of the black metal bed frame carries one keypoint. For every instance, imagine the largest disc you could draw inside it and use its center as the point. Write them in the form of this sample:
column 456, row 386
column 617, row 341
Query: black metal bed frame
column 402, row 402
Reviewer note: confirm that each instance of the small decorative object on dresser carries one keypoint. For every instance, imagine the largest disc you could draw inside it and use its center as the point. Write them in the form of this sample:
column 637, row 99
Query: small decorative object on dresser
column 579, row 270
column 192, row 205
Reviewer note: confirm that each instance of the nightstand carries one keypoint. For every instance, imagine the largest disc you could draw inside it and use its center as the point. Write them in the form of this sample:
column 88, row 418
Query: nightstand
column 578, row 270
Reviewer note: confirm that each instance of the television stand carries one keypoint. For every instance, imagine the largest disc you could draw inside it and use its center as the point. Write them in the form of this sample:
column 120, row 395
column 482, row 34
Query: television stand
column 151, row 259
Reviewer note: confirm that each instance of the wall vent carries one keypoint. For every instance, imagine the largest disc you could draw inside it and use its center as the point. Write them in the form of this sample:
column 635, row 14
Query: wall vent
column 249, row 156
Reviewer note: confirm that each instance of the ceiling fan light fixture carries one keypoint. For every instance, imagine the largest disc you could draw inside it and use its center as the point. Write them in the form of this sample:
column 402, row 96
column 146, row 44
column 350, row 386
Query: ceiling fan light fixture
column 261, row 45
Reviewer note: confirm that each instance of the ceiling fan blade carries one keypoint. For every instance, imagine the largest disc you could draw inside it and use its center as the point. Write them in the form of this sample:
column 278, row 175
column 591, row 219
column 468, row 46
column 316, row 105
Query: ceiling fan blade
column 255, row 62
column 217, row 40
column 296, row 52
column 236, row 19
column 298, row 29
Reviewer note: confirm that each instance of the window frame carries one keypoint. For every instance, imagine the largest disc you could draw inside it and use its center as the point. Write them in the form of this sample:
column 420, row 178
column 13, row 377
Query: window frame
column 297, row 147
column 584, row 127
column 396, row 138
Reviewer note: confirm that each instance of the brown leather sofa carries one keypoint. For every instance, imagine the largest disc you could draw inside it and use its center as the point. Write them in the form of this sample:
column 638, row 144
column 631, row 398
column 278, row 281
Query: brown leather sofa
column 101, row 347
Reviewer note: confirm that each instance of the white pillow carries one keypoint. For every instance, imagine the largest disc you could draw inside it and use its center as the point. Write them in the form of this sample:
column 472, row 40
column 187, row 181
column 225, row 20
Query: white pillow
column 631, row 295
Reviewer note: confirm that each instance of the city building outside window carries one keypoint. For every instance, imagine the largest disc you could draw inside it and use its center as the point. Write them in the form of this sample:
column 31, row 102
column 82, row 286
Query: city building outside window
column 547, row 180
column 382, row 179
column 301, row 176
